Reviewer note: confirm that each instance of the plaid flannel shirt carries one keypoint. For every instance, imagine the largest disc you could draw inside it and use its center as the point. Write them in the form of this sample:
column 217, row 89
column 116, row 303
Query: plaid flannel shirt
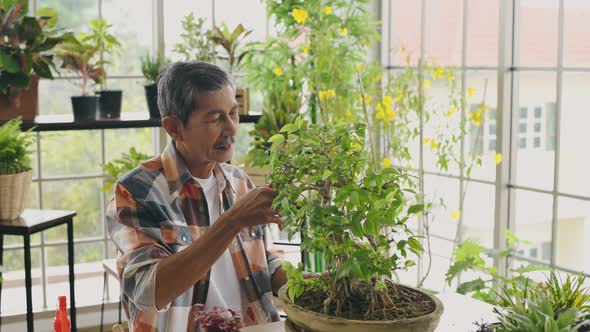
column 159, row 209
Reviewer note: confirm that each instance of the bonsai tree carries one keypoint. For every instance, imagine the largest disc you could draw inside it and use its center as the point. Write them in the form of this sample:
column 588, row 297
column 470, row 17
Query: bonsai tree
column 79, row 58
column 230, row 41
column 105, row 43
column 352, row 211
column 196, row 44
column 24, row 45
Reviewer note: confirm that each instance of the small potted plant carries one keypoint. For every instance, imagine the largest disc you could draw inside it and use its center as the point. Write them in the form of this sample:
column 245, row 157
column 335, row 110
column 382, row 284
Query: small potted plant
column 79, row 58
column 151, row 69
column 356, row 214
column 106, row 45
column 15, row 169
column 230, row 41
column 24, row 45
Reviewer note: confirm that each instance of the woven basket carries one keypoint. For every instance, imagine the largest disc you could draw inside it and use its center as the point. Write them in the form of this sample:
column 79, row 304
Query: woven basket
column 14, row 189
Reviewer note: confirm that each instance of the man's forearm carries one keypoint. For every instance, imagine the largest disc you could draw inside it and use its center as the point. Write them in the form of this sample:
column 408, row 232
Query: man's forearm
column 179, row 272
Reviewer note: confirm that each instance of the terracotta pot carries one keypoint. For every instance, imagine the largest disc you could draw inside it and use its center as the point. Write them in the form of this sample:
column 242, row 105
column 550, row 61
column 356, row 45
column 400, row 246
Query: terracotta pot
column 24, row 103
column 300, row 319
column 14, row 189
column 243, row 99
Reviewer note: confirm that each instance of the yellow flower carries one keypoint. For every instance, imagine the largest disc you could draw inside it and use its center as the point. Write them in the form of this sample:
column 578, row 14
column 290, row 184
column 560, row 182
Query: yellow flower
column 433, row 145
column 327, row 94
column 386, row 162
column 344, row 31
column 451, row 77
column 328, row 10
column 456, row 215
column 359, row 67
column 348, row 115
column 278, row 71
column 475, row 117
column 470, row 92
column 426, row 84
column 390, row 114
column 368, row 99
column 438, row 73
column 387, row 100
column 380, row 115
column 380, row 108
column 300, row 15
column 498, row 158
column 426, row 140
column 305, row 49
column 451, row 112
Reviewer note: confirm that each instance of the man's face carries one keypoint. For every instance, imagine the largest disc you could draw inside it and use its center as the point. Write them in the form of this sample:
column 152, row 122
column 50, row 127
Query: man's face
column 209, row 135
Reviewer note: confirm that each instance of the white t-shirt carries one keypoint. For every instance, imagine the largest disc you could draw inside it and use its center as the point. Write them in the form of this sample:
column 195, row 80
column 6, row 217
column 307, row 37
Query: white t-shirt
column 224, row 287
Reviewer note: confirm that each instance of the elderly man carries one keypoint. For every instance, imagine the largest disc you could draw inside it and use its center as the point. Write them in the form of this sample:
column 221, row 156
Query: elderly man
column 188, row 227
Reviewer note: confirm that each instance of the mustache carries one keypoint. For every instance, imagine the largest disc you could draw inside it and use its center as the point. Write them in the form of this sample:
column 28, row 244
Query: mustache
column 225, row 141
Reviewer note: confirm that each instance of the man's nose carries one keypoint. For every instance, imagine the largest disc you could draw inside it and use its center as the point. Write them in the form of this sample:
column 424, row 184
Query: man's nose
column 231, row 127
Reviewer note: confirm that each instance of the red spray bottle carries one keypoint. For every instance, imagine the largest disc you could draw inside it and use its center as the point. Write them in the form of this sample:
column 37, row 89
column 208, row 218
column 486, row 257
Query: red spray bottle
column 61, row 323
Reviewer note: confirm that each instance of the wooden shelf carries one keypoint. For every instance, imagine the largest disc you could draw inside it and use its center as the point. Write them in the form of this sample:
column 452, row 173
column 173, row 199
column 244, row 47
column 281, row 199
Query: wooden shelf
column 127, row 120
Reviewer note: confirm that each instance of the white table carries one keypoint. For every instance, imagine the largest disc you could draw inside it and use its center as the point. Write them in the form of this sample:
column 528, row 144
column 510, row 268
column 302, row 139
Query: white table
column 460, row 313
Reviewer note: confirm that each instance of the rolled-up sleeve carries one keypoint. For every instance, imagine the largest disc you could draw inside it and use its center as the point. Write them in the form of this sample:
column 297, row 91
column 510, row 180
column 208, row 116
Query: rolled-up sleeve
column 137, row 237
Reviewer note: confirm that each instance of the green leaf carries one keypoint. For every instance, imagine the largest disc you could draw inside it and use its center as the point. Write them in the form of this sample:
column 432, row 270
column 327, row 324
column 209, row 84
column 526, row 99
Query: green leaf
column 48, row 12
column 327, row 173
column 416, row 208
column 277, row 138
column 9, row 62
column 471, row 286
column 289, row 128
column 415, row 245
column 355, row 225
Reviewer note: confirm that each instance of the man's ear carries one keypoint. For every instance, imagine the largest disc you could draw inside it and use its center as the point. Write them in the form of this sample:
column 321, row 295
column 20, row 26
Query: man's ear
column 172, row 125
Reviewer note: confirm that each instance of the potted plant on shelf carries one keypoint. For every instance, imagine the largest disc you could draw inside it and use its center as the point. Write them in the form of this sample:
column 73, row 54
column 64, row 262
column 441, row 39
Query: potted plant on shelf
column 196, row 44
column 151, row 69
column 106, row 44
column 79, row 59
column 230, row 41
column 25, row 43
column 15, row 169
column 356, row 213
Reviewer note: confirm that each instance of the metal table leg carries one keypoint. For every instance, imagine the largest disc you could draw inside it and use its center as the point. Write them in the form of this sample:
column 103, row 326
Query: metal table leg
column 71, row 275
column 28, row 282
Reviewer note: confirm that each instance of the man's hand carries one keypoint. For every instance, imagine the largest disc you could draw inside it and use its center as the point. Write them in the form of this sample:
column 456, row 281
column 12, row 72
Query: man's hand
column 254, row 208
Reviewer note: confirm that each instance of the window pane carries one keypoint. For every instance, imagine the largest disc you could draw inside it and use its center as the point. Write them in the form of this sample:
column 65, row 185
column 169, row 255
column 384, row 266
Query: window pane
column 576, row 45
column 252, row 15
column 14, row 260
column 82, row 196
column 80, row 148
column 482, row 32
column 174, row 13
column 442, row 251
column 535, row 155
column 84, row 253
column 484, row 84
column 573, row 232
column 447, row 189
column 538, row 32
column 478, row 220
column 533, row 224
column 132, row 25
column 406, row 30
column 74, row 15
column 574, row 160
column 244, row 142
column 119, row 141
column 55, row 96
column 444, row 31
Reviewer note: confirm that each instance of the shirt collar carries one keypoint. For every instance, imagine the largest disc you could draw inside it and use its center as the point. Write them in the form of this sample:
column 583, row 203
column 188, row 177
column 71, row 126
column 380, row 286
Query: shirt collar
column 177, row 173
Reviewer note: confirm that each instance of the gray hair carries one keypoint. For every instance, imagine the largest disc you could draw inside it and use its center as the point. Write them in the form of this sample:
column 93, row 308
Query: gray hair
column 180, row 83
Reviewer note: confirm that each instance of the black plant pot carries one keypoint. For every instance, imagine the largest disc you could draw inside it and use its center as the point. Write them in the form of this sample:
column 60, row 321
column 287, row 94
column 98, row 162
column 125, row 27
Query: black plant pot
column 151, row 95
column 110, row 104
column 85, row 107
